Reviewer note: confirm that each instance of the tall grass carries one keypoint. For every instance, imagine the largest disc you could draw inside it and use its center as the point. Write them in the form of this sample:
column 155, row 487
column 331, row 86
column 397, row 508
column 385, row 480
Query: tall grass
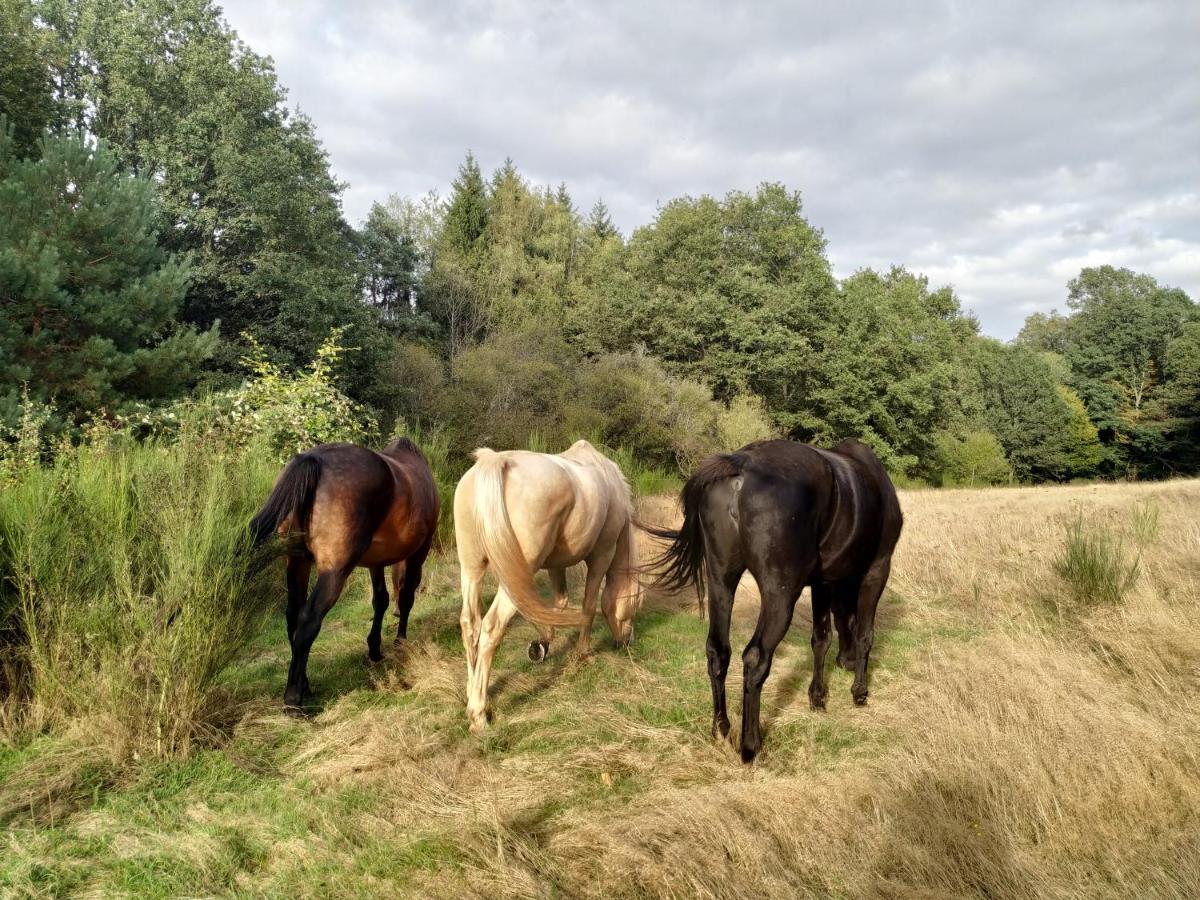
column 127, row 575
column 446, row 472
column 1093, row 564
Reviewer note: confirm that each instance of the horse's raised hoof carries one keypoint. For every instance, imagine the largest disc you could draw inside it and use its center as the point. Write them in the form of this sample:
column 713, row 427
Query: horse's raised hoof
column 538, row 651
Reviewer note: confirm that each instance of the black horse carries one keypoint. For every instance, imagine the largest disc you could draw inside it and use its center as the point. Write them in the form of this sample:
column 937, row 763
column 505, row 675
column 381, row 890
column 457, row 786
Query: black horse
column 794, row 515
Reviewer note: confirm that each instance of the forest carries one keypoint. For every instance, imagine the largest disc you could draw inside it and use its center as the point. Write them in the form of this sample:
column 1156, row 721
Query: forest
column 184, row 306
column 170, row 223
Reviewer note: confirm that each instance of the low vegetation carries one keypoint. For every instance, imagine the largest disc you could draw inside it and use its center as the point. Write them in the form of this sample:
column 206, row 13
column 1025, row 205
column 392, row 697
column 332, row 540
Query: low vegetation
column 1007, row 750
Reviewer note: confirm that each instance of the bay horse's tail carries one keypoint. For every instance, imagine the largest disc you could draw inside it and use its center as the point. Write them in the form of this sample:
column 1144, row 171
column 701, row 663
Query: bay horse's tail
column 293, row 494
column 682, row 563
column 501, row 547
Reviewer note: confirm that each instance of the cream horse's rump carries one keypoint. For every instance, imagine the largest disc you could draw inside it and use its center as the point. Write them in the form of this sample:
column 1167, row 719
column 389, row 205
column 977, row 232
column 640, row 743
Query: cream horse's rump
column 518, row 512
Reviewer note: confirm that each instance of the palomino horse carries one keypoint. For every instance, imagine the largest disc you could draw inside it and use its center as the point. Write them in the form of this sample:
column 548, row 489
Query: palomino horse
column 348, row 506
column 518, row 512
column 794, row 516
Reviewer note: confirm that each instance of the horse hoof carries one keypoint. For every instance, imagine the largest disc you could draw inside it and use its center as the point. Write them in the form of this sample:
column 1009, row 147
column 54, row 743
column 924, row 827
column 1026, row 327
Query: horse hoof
column 295, row 712
column 816, row 704
column 375, row 655
column 860, row 701
column 477, row 724
column 748, row 755
column 538, row 651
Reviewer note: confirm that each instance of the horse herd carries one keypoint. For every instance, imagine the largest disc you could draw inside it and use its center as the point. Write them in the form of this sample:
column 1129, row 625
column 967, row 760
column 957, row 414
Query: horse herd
column 793, row 515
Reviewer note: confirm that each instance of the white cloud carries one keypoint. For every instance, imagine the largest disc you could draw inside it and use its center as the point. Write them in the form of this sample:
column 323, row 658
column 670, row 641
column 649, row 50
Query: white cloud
column 997, row 147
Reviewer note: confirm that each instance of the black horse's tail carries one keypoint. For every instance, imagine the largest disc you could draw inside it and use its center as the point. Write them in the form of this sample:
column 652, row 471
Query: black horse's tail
column 683, row 561
column 293, row 493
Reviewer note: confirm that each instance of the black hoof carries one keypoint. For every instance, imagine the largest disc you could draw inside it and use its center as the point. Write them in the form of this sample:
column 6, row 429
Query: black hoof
column 720, row 730
column 296, row 712
column 860, row 701
column 817, row 704
column 374, row 654
column 538, row 651
column 748, row 755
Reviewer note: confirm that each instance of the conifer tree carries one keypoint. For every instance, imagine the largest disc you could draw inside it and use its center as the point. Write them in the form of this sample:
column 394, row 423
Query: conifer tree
column 600, row 223
column 88, row 296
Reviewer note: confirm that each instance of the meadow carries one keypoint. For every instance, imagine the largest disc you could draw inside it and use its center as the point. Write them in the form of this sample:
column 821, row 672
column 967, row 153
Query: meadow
column 1033, row 731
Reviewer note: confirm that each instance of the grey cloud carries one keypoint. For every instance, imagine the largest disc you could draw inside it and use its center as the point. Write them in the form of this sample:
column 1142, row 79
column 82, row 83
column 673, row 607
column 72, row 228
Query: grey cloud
column 992, row 146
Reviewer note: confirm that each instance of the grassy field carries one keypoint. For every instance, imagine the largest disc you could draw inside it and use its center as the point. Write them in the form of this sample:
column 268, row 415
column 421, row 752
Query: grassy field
column 1034, row 730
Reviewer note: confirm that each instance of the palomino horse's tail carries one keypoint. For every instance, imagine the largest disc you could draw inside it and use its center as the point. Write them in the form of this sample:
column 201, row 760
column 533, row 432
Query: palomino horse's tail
column 683, row 561
column 293, row 494
column 501, row 546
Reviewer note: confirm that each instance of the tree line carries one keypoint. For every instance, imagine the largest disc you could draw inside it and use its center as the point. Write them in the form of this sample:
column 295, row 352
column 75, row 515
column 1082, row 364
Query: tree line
column 167, row 215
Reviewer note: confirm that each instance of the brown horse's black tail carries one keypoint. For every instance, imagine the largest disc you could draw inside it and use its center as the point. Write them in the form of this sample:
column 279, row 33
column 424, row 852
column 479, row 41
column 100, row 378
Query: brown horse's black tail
column 293, row 493
column 683, row 561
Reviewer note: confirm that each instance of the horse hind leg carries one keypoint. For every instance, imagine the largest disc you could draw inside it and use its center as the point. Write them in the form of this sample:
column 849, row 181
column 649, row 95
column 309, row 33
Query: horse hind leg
column 864, row 625
column 407, row 577
column 471, row 616
column 722, row 585
column 307, row 626
column 491, row 632
column 845, row 605
column 597, row 568
column 822, row 598
column 540, row 649
column 774, row 619
column 397, row 572
column 380, row 602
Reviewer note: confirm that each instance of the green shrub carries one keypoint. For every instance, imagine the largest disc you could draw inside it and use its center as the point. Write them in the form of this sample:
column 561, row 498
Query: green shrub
column 743, row 421
column 667, row 421
column 127, row 570
column 446, row 472
column 281, row 412
column 1093, row 566
column 971, row 460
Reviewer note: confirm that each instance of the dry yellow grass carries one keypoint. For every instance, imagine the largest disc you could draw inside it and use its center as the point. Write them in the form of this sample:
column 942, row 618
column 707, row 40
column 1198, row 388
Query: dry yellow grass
column 1008, row 751
column 1012, row 755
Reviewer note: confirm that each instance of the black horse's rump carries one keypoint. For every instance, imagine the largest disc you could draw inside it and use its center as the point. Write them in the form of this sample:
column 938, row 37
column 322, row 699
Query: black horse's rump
column 683, row 561
column 795, row 516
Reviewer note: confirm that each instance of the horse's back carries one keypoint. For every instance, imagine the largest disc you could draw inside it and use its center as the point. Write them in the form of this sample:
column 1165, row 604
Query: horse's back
column 837, row 504
column 371, row 508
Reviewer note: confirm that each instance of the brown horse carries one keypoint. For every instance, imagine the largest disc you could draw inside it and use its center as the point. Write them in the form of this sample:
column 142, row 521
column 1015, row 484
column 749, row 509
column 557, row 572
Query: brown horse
column 342, row 506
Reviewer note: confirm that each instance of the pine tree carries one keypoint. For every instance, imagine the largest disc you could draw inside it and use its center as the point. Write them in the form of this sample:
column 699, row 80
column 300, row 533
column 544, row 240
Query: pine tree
column 467, row 213
column 244, row 185
column 451, row 294
column 88, row 297
column 600, row 223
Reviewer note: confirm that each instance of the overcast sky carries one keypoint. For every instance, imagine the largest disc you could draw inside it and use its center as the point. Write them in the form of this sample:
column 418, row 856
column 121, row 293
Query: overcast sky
column 997, row 147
